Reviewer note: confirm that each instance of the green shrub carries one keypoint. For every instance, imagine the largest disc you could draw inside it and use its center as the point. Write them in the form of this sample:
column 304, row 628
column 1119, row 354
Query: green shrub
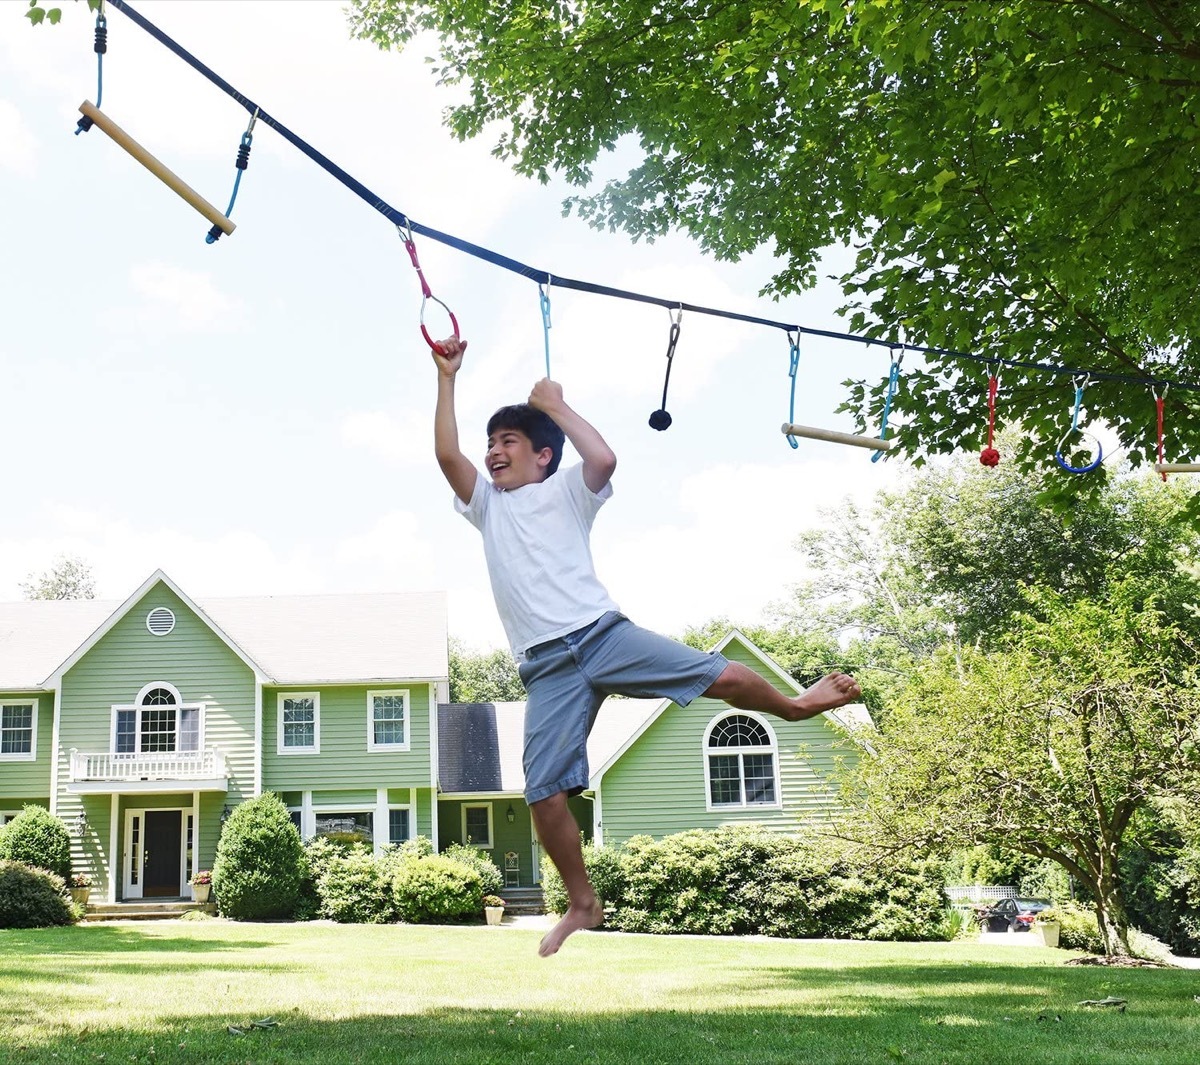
column 36, row 837
column 32, row 897
column 604, row 870
column 260, row 864
column 473, row 858
column 353, row 891
column 436, row 888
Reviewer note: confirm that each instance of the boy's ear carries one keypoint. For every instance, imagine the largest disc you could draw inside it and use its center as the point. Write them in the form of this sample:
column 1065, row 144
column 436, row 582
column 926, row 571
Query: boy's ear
column 545, row 457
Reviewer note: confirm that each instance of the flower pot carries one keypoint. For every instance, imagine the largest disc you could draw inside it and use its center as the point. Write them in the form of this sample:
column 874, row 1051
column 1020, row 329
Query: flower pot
column 80, row 895
column 200, row 892
column 494, row 914
column 1048, row 932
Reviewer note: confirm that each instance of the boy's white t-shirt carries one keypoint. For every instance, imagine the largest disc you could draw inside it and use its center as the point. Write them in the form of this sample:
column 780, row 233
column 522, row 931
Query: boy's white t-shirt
column 536, row 540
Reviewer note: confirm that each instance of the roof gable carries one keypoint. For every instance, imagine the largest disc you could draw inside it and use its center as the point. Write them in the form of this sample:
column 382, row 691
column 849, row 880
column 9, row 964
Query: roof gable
column 156, row 578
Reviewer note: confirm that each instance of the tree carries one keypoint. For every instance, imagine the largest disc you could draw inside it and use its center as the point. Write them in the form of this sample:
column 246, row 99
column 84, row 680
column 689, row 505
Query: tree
column 483, row 676
column 69, row 578
column 951, row 551
column 1049, row 746
column 1019, row 178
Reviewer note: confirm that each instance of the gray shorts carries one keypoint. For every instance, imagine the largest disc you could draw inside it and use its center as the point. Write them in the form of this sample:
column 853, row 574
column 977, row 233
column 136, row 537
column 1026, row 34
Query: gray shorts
column 567, row 679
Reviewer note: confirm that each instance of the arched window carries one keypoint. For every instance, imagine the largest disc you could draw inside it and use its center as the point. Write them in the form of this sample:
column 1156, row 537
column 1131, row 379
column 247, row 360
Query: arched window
column 740, row 754
column 157, row 722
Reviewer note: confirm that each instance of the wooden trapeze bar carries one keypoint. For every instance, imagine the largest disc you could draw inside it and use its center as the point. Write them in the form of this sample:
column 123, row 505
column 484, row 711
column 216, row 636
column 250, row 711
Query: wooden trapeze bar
column 871, row 442
column 166, row 176
column 1177, row 467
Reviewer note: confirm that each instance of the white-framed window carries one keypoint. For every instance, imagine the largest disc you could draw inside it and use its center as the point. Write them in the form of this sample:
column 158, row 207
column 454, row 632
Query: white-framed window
column 741, row 762
column 18, row 730
column 299, row 715
column 401, row 824
column 6, row 816
column 345, row 824
column 387, row 720
column 158, row 721
column 477, row 824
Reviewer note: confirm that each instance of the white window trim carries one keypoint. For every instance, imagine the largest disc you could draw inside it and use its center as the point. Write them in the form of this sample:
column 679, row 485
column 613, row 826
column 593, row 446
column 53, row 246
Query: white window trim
column 316, row 747
column 31, row 754
column 346, row 808
column 137, row 706
column 491, row 828
column 773, row 750
column 371, row 744
column 8, row 815
column 412, row 820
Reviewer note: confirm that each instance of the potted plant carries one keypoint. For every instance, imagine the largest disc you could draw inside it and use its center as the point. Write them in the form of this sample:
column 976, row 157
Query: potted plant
column 493, row 908
column 1047, row 926
column 201, row 885
column 81, row 888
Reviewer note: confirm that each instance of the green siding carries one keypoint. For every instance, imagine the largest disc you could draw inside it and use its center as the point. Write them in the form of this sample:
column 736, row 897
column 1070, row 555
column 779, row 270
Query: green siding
column 344, row 761
column 517, row 836
column 659, row 786
column 128, row 657
column 20, row 777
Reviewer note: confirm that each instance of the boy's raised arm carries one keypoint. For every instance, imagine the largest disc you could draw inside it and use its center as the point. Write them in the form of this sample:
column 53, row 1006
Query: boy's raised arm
column 599, row 461
column 456, row 467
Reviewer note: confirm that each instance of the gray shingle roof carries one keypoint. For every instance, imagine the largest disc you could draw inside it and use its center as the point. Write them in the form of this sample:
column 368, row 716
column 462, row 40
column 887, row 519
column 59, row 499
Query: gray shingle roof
column 292, row 638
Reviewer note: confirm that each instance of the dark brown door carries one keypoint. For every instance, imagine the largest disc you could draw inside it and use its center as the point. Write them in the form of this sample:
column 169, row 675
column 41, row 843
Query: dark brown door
column 162, row 853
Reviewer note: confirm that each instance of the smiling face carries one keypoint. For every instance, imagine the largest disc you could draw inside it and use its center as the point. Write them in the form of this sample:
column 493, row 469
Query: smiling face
column 511, row 460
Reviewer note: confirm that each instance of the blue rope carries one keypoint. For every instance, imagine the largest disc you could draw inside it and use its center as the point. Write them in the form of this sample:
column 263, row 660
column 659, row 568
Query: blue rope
column 100, row 47
column 545, row 302
column 243, row 161
column 893, row 382
column 793, row 366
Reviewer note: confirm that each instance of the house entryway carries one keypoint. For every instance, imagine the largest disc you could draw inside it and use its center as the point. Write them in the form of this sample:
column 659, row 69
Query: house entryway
column 154, row 854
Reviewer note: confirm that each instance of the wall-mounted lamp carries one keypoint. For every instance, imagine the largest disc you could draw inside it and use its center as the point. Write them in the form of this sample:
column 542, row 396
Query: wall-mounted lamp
column 80, row 825
column 511, row 814
column 225, row 811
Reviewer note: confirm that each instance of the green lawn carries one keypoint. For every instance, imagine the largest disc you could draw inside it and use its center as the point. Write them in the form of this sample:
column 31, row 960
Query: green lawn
column 166, row 993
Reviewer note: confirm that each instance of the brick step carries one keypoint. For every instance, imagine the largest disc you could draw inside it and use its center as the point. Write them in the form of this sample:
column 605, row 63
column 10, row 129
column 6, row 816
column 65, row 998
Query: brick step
column 523, row 901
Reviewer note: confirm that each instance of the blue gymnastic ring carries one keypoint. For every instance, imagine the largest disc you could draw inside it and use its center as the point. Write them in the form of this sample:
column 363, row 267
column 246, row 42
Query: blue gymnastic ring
column 1058, row 455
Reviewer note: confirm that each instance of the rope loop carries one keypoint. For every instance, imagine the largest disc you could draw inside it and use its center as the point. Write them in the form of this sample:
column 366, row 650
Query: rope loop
column 660, row 420
column 544, row 303
column 240, row 163
column 99, row 47
column 406, row 235
column 793, row 366
column 1158, row 408
column 893, row 385
column 989, row 456
column 1080, row 381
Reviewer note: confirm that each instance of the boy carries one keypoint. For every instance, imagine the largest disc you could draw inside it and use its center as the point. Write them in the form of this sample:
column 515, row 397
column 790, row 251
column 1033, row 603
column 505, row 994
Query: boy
column 572, row 645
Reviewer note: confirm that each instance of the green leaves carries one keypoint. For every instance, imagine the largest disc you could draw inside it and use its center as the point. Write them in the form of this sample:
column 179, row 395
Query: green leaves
column 1020, row 178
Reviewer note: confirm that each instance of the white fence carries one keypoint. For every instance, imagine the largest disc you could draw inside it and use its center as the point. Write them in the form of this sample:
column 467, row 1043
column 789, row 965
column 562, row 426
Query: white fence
column 964, row 895
column 200, row 765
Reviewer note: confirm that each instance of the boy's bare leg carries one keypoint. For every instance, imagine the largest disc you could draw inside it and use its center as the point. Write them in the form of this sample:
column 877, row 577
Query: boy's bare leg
column 741, row 687
column 559, row 834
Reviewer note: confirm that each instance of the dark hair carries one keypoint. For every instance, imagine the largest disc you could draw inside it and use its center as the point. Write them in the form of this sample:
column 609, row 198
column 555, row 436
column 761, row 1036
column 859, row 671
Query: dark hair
column 541, row 429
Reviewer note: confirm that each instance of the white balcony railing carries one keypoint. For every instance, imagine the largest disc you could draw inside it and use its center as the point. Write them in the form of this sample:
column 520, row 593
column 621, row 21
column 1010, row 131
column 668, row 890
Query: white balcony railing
column 208, row 764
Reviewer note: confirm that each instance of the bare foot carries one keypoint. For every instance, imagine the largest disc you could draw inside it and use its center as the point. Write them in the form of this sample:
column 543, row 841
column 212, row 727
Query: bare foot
column 830, row 692
column 573, row 920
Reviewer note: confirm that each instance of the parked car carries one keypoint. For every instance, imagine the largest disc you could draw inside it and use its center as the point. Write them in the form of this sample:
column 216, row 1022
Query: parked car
column 1010, row 915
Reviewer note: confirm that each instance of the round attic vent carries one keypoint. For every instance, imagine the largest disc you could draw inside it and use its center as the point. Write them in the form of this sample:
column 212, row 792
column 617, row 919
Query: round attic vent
column 160, row 621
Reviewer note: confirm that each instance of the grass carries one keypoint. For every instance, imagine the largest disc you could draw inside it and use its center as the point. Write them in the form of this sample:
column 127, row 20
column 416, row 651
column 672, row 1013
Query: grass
column 166, row 992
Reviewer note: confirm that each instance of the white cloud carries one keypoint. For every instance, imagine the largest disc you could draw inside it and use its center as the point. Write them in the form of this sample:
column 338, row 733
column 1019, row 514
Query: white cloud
column 174, row 299
column 18, row 146
column 405, row 440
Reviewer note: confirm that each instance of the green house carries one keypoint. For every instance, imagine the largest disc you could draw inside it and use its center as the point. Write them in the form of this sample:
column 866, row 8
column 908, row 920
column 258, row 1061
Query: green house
column 142, row 724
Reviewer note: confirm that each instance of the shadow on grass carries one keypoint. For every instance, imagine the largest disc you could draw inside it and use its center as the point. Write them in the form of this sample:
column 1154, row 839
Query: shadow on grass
column 931, row 1015
column 108, row 939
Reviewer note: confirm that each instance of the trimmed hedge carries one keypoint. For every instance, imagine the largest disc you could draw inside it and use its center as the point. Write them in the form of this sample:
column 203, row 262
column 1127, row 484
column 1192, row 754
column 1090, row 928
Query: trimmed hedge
column 743, row 880
column 36, row 837
column 437, row 888
column 31, row 897
column 260, row 862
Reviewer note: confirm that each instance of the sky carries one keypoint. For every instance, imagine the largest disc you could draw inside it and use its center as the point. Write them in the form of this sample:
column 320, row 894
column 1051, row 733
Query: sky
column 255, row 417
